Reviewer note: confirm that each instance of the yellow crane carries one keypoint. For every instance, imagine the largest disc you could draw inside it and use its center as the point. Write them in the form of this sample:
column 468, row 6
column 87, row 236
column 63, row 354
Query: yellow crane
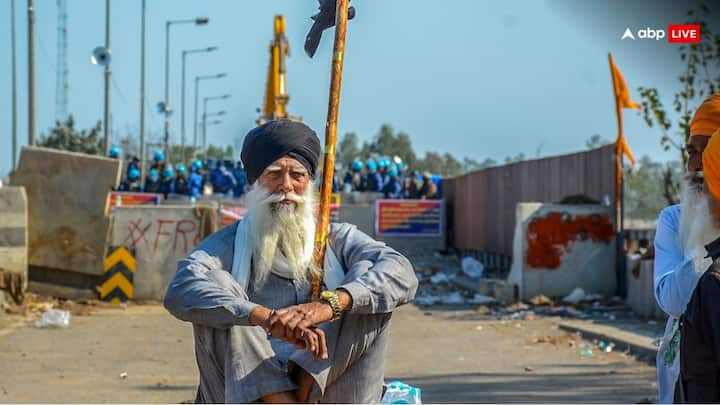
column 276, row 96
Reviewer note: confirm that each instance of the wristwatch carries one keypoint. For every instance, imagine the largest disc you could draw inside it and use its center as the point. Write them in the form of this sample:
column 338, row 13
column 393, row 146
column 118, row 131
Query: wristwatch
column 331, row 298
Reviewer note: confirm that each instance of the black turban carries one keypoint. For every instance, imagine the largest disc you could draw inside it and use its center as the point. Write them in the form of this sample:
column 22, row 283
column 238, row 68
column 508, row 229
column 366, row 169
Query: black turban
column 269, row 142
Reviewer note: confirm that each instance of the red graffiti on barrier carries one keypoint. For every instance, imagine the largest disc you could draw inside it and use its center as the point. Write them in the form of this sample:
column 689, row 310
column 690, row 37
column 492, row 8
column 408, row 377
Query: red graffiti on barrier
column 549, row 237
column 152, row 233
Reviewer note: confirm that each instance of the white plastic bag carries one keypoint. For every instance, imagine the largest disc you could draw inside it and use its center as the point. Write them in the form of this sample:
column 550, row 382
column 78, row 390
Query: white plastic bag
column 472, row 267
column 577, row 295
column 54, row 318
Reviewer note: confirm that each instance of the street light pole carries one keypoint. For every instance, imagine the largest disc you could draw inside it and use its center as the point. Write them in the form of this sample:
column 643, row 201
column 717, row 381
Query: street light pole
column 14, row 86
column 142, row 94
column 197, row 93
column 31, row 72
column 106, row 117
column 166, row 130
column 182, row 102
column 205, row 115
column 196, row 21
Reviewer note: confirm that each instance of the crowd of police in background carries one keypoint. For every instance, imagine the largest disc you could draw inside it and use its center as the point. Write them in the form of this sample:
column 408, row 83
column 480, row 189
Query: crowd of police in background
column 225, row 177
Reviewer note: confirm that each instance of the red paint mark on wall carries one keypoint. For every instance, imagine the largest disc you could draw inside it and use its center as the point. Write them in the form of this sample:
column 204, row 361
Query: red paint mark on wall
column 549, row 237
column 168, row 236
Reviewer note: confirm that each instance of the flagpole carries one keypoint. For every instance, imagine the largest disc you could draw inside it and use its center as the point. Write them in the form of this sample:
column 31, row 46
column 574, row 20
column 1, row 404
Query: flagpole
column 323, row 222
column 619, row 189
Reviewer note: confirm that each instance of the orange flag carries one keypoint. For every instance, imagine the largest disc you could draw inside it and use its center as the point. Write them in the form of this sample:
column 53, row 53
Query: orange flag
column 622, row 98
column 622, row 94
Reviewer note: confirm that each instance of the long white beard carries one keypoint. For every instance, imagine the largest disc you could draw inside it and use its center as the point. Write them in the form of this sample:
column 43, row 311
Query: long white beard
column 697, row 227
column 281, row 230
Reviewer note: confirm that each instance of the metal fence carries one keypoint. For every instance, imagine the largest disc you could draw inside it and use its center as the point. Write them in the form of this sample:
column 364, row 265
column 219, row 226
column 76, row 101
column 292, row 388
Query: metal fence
column 481, row 204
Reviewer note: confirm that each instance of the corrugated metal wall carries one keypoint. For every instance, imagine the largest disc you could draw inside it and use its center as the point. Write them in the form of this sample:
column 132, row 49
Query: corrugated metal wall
column 482, row 204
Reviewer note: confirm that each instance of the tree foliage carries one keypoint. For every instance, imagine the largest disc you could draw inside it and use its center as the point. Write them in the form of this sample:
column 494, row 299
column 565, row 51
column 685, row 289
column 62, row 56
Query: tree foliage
column 645, row 191
column 596, row 141
column 699, row 79
column 65, row 136
column 388, row 142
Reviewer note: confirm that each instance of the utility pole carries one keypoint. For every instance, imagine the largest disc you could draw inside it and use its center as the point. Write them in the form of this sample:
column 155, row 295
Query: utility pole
column 106, row 118
column 31, row 72
column 185, row 53
column 14, row 86
column 142, row 94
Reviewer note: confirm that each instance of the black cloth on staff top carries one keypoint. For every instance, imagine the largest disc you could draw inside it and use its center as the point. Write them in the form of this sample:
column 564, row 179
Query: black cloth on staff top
column 699, row 379
column 267, row 143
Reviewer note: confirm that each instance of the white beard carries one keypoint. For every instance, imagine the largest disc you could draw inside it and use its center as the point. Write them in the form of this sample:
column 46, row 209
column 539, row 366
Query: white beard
column 697, row 227
column 281, row 231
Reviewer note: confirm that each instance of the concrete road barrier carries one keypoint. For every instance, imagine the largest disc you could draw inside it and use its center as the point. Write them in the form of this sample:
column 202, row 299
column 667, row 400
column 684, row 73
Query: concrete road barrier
column 560, row 247
column 67, row 198
column 13, row 240
column 160, row 237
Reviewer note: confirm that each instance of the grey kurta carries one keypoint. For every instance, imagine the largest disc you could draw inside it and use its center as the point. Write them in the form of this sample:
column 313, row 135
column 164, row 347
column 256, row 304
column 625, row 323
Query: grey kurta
column 238, row 363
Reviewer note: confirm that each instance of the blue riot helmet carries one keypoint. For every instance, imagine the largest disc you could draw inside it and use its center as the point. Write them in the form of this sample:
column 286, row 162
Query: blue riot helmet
column 114, row 152
column 197, row 165
column 133, row 174
column 153, row 175
column 159, row 156
column 181, row 169
column 371, row 166
column 168, row 172
column 382, row 163
column 357, row 165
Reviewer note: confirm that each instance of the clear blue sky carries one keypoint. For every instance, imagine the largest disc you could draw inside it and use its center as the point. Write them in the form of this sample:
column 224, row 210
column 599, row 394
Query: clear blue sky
column 471, row 77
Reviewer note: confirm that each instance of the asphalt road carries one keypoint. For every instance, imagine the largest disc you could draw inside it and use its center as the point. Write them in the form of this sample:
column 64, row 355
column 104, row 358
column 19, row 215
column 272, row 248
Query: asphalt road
column 141, row 354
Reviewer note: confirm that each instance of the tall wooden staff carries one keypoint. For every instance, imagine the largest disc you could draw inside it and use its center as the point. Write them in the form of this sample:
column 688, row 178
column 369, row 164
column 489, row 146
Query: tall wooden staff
column 323, row 223
column 622, row 100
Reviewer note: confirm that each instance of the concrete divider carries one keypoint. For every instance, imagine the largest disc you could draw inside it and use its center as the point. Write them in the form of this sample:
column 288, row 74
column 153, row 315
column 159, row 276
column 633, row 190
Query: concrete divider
column 560, row 247
column 641, row 289
column 160, row 235
column 13, row 241
column 67, row 198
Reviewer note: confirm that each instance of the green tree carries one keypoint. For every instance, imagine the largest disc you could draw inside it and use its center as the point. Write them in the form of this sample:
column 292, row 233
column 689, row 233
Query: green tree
column 347, row 149
column 700, row 78
column 65, row 136
column 517, row 158
column 129, row 145
column 218, row 152
column 645, row 189
column 596, row 141
column 175, row 153
column 389, row 143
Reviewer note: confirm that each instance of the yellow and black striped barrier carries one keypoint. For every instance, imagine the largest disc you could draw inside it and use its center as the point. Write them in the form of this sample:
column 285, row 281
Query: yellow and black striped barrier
column 117, row 280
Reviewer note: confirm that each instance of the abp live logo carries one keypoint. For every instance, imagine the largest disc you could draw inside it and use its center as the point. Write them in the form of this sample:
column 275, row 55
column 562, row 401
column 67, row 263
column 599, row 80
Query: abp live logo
column 684, row 33
column 676, row 34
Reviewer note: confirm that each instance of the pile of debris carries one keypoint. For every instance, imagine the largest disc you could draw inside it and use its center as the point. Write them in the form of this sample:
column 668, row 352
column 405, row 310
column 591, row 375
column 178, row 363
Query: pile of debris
column 51, row 311
column 439, row 277
column 446, row 280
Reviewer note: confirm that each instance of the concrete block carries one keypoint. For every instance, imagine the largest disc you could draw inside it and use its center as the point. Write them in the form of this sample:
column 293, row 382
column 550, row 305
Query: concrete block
column 67, row 198
column 14, row 233
column 161, row 236
column 560, row 247
column 360, row 215
column 641, row 290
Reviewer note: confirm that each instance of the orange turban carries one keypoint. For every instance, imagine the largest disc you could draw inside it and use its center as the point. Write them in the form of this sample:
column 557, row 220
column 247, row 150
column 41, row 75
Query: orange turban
column 707, row 117
column 711, row 165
